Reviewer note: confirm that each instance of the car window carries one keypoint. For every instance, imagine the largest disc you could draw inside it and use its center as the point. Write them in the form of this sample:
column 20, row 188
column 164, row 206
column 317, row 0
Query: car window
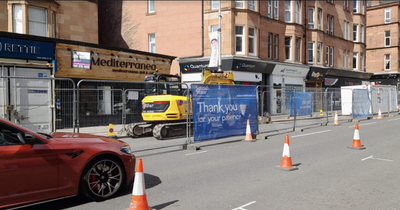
column 9, row 135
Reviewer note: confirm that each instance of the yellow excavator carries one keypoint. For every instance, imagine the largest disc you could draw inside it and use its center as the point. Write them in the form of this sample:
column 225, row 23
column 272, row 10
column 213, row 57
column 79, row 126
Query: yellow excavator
column 164, row 108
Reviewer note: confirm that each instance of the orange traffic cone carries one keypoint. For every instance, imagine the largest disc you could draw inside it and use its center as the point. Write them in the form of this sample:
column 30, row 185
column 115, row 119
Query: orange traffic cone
column 249, row 136
column 286, row 163
column 379, row 114
column 336, row 120
column 139, row 199
column 356, row 140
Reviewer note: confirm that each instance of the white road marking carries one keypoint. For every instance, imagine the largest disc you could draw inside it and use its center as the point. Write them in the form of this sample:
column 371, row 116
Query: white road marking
column 362, row 124
column 372, row 157
column 394, row 119
column 241, row 207
column 367, row 158
column 195, row 153
column 311, row 133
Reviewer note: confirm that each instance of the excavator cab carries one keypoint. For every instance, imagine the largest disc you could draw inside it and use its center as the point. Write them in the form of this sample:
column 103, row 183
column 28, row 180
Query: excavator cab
column 168, row 88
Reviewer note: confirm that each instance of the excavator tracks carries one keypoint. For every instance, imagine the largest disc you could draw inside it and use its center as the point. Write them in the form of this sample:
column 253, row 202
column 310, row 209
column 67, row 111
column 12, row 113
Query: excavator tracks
column 170, row 130
column 138, row 129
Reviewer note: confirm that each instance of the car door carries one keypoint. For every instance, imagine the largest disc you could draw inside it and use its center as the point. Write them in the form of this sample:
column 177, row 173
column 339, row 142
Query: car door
column 27, row 172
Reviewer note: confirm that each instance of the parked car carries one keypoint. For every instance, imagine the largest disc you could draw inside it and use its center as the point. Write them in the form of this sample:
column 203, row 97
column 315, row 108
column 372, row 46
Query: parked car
column 37, row 166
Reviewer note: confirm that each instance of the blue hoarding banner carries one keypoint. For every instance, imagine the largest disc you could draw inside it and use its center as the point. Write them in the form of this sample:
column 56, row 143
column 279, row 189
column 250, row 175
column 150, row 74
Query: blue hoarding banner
column 303, row 104
column 222, row 110
column 26, row 49
column 361, row 103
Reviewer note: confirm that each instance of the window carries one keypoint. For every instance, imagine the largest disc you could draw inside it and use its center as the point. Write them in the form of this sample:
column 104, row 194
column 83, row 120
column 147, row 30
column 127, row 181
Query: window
column 348, row 30
column 298, row 11
column 214, row 28
column 37, row 21
column 319, row 47
column 239, row 33
column 276, row 46
column 387, row 38
column 332, row 25
column 269, row 45
column 319, row 18
column 151, row 6
column 344, row 59
column 17, row 16
column 276, row 9
column 252, row 40
column 362, row 5
column 252, row 5
column 288, row 43
column 345, row 30
column 288, row 11
column 270, row 8
column 355, row 59
column 311, row 52
column 387, row 62
column 362, row 34
column 311, row 17
column 239, row 4
column 346, row 4
column 328, row 19
column 54, row 24
column 387, row 15
column 355, row 6
column 355, row 32
column 331, row 57
column 298, row 44
column 327, row 56
column 361, row 61
column 152, row 43
column 347, row 59
column 215, row 4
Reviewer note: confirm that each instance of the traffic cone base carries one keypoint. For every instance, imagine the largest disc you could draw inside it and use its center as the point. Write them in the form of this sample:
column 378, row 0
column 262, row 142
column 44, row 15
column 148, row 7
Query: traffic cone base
column 286, row 163
column 379, row 114
column 356, row 140
column 249, row 135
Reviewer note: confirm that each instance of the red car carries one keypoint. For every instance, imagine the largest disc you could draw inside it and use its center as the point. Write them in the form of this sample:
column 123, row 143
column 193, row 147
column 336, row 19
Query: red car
column 36, row 166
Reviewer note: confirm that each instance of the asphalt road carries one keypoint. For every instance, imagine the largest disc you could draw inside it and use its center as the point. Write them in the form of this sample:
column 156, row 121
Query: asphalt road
column 229, row 174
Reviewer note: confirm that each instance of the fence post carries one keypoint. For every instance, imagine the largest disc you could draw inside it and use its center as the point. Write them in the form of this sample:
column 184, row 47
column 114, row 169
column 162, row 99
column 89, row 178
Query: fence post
column 326, row 106
column 123, row 109
column 294, row 109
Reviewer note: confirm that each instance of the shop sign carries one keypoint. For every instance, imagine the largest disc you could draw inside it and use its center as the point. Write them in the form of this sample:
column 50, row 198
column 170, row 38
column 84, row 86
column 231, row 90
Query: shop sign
column 26, row 49
column 290, row 71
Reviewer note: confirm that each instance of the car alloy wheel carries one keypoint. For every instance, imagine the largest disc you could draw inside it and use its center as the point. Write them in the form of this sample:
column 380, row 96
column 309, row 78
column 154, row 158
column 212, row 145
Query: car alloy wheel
column 103, row 178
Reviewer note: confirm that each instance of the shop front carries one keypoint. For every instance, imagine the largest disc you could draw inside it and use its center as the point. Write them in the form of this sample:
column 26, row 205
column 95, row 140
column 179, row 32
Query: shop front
column 336, row 78
column 26, row 101
column 110, row 81
column 246, row 71
column 390, row 78
column 285, row 78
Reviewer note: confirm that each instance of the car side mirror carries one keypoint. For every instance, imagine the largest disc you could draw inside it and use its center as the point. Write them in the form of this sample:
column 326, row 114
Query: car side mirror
column 29, row 138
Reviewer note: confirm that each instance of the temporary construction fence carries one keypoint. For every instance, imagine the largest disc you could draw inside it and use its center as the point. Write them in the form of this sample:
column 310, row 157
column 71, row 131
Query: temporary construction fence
column 37, row 103
column 64, row 104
